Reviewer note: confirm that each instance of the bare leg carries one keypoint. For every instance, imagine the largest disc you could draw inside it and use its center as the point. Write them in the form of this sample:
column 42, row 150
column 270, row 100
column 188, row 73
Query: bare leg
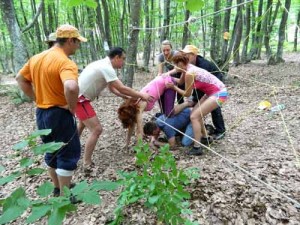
column 53, row 176
column 139, row 119
column 80, row 128
column 64, row 181
column 197, row 116
column 94, row 126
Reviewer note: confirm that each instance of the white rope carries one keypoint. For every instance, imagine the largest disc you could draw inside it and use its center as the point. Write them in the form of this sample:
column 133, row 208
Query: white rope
column 193, row 20
column 297, row 204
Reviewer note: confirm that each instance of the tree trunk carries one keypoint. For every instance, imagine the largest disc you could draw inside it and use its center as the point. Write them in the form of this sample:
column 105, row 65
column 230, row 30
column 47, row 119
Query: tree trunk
column 244, row 57
column 135, row 6
column 106, row 23
column 226, row 25
column 165, row 30
column 238, row 35
column 148, row 34
column 90, row 31
column 256, row 42
column 214, row 51
column 281, row 32
column 203, row 28
column 186, row 31
column 296, row 32
column 19, row 49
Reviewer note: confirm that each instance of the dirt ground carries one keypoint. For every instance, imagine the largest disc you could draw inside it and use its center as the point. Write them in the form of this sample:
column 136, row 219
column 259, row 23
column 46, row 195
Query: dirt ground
column 245, row 177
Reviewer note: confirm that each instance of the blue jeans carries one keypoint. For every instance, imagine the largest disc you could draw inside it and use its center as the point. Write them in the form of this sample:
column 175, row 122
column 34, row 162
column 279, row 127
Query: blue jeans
column 186, row 141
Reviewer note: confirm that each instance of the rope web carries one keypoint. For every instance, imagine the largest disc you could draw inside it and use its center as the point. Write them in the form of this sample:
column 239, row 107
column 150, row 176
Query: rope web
column 253, row 106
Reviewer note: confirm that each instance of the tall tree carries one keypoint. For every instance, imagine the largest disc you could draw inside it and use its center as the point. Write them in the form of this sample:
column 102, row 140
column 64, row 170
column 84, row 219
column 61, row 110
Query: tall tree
column 165, row 30
column 135, row 10
column 238, row 34
column 256, row 41
column 296, row 32
column 147, row 37
column 19, row 48
column 281, row 31
column 106, row 22
column 186, row 31
column 214, row 46
column 247, row 22
column 226, row 26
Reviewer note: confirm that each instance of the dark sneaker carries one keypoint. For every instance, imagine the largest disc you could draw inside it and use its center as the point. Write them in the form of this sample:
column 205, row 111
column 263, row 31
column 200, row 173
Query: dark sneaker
column 207, row 140
column 218, row 136
column 56, row 190
column 210, row 129
column 74, row 200
column 195, row 151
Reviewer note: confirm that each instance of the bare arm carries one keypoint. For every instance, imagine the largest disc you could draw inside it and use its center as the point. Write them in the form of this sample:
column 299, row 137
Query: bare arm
column 119, row 86
column 116, row 92
column 189, row 80
column 26, row 86
column 71, row 91
column 160, row 68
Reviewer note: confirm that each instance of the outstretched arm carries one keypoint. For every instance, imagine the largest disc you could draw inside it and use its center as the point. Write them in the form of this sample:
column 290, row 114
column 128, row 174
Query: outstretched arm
column 121, row 88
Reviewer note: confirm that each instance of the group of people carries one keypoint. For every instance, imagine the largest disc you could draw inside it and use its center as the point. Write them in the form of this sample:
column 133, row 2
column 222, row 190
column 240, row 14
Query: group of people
column 189, row 75
column 51, row 79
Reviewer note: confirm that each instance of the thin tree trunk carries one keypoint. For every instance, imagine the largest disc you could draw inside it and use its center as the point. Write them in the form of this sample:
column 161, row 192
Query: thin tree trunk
column 148, row 34
column 226, row 25
column 203, row 28
column 247, row 21
column 19, row 49
column 99, row 22
column 90, row 31
column 135, row 7
column 186, row 31
column 281, row 32
column 214, row 54
column 296, row 32
column 254, row 52
column 106, row 23
column 165, row 30
column 238, row 35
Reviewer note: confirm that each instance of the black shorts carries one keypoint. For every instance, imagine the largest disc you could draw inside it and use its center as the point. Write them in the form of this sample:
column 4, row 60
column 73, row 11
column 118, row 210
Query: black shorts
column 64, row 129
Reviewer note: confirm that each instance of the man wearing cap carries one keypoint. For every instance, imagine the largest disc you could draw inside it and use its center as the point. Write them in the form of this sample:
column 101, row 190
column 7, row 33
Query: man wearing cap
column 92, row 81
column 50, row 79
column 194, row 58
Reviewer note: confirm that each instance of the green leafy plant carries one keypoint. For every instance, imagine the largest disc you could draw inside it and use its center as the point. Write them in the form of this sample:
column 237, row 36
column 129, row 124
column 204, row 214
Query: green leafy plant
column 55, row 208
column 159, row 185
column 17, row 96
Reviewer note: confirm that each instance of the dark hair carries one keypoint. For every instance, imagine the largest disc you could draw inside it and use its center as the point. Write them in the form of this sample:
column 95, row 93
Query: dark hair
column 127, row 113
column 61, row 41
column 51, row 43
column 149, row 128
column 116, row 51
column 180, row 58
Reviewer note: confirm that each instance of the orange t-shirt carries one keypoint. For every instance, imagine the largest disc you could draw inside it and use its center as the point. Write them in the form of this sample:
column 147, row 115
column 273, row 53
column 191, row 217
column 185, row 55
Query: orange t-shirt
column 47, row 71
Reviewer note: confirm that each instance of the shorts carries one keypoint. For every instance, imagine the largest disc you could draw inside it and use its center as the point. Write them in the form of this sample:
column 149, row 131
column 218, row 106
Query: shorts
column 64, row 129
column 222, row 96
column 84, row 109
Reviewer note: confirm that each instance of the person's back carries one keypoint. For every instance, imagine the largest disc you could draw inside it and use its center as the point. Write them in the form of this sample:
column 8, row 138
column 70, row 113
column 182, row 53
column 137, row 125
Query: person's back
column 47, row 72
column 95, row 77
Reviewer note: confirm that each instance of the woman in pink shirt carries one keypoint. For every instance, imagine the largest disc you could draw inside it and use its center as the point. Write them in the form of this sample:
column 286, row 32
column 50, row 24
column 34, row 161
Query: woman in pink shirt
column 215, row 95
column 130, row 112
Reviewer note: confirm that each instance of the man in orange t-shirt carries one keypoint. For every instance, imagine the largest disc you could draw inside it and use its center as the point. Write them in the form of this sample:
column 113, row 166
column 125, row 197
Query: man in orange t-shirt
column 50, row 78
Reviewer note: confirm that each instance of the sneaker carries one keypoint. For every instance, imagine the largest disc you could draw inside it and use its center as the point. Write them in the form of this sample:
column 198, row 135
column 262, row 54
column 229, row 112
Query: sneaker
column 210, row 129
column 218, row 136
column 56, row 190
column 74, row 200
column 207, row 140
column 195, row 151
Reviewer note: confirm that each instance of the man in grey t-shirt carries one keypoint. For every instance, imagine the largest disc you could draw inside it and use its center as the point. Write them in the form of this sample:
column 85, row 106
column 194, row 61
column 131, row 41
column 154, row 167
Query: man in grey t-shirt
column 92, row 81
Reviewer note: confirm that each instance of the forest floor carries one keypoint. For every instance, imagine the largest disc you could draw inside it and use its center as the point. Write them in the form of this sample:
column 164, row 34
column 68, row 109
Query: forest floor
column 264, row 144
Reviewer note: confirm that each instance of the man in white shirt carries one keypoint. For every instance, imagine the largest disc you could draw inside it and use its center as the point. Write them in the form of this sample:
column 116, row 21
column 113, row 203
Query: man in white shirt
column 92, row 81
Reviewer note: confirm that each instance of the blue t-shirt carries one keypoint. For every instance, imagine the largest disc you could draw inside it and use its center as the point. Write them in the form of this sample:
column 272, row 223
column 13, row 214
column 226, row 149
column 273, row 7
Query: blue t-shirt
column 178, row 121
